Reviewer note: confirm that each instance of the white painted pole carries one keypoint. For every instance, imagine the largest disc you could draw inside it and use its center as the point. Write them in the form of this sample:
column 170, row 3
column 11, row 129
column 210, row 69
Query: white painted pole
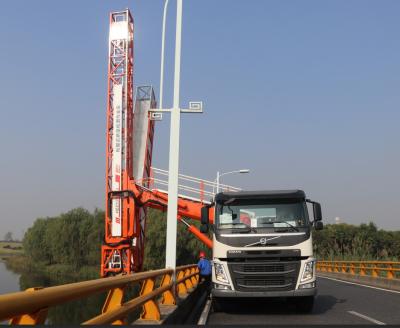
column 217, row 182
column 172, row 213
column 160, row 99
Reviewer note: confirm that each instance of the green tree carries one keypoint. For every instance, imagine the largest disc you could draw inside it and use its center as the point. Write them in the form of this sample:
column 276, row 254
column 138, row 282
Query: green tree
column 34, row 243
column 350, row 242
column 188, row 246
column 8, row 236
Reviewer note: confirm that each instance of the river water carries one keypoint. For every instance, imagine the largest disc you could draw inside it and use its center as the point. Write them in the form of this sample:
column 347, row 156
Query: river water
column 73, row 312
column 9, row 281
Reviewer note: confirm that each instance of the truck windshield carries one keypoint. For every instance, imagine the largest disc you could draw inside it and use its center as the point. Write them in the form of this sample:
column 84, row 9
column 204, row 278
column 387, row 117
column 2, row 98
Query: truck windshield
column 282, row 217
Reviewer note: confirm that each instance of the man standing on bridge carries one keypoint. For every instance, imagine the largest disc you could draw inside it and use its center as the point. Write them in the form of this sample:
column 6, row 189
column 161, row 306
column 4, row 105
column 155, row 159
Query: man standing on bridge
column 204, row 266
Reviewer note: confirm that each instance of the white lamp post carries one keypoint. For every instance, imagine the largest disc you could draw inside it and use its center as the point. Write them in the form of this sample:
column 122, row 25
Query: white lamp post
column 219, row 175
column 156, row 114
column 160, row 99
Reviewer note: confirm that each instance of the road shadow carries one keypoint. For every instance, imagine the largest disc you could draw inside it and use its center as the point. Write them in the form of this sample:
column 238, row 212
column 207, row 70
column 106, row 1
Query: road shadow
column 322, row 304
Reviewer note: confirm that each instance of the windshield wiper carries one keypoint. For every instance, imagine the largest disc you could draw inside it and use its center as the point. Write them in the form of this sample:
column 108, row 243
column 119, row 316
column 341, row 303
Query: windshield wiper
column 289, row 225
column 279, row 221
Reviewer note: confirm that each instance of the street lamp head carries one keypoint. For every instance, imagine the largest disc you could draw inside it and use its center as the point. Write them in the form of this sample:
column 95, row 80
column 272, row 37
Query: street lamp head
column 219, row 175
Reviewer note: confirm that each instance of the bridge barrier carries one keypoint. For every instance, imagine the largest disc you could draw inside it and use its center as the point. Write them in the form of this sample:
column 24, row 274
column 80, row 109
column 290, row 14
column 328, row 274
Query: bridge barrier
column 157, row 288
column 385, row 274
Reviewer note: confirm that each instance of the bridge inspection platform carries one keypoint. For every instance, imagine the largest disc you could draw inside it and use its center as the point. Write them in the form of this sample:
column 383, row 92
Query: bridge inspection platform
column 338, row 303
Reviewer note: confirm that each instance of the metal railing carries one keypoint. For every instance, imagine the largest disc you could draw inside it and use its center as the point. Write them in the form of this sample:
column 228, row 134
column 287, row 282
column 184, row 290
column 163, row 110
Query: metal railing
column 385, row 269
column 188, row 186
column 157, row 287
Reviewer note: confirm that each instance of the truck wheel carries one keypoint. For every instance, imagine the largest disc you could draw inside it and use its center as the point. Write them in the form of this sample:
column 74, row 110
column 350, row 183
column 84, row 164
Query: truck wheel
column 217, row 305
column 305, row 304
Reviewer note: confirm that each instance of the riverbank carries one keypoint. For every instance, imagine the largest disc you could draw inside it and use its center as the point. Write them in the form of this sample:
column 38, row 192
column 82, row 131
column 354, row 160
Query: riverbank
column 14, row 258
column 10, row 248
column 21, row 264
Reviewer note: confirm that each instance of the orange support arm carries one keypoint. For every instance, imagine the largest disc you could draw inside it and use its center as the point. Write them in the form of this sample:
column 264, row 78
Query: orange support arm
column 200, row 236
column 186, row 207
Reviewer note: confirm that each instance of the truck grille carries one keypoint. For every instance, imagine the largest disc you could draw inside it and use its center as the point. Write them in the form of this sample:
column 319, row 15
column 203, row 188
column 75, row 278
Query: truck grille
column 264, row 275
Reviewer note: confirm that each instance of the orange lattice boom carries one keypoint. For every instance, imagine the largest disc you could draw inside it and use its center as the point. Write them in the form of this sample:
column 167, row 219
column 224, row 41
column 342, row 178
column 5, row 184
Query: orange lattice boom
column 132, row 185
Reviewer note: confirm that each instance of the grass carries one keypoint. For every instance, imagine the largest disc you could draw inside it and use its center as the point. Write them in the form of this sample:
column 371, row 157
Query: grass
column 11, row 248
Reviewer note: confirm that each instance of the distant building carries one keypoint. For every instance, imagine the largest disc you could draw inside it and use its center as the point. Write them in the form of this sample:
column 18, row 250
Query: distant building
column 337, row 220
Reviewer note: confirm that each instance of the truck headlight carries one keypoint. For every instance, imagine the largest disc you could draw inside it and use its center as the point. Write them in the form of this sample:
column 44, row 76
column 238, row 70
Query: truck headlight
column 308, row 272
column 220, row 274
column 307, row 285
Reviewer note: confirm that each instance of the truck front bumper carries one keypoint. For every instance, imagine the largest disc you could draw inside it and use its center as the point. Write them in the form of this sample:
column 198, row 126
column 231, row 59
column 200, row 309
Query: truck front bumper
column 290, row 293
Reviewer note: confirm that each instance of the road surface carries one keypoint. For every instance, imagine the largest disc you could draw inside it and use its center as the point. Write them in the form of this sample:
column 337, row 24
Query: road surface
column 337, row 303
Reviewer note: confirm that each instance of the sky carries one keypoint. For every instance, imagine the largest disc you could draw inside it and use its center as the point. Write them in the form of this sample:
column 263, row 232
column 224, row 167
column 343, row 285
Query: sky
column 305, row 94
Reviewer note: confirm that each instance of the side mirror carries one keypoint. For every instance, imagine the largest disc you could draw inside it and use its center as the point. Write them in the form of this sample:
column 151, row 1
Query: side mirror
column 204, row 215
column 318, row 225
column 204, row 228
column 317, row 211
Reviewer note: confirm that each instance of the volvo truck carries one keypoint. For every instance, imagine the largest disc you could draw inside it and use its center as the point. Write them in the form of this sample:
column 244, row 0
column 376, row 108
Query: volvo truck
column 262, row 246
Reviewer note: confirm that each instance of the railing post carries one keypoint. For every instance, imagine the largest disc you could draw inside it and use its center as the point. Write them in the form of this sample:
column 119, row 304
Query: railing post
column 336, row 267
column 352, row 269
column 362, row 269
column 197, row 275
column 330, row 264
column 344, row 267
column 168, row 296
column 201, row 191
column 193, row 278
column 113, row 301
column 37, row 318
column 375, row 271
column 390, row 272
column 151, row 311
column 181, row 287
column 188, row 281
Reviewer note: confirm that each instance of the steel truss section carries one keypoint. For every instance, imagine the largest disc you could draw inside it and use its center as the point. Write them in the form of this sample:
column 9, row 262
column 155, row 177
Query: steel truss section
column 118, row 225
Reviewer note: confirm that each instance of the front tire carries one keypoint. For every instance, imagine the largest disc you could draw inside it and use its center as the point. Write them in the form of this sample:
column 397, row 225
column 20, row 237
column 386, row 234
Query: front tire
column 305, row 304
column 217, row 305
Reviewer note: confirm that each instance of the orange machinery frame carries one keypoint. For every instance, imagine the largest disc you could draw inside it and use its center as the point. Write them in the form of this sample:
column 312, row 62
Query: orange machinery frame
column 135, row 198
column 124, row 251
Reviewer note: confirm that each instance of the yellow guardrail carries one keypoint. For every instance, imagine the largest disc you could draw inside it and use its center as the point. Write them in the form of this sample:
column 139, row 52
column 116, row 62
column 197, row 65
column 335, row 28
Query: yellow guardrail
column 31, row 306
column 386, row 269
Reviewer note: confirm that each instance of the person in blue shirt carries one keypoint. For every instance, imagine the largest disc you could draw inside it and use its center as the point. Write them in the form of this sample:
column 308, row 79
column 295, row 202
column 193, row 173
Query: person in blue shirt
column 204, row 266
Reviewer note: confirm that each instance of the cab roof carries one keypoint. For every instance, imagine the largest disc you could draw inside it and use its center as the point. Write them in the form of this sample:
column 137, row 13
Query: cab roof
column 294, row 194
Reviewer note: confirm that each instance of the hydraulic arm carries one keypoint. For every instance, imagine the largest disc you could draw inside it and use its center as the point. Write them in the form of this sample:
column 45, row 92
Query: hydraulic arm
column 137, row 197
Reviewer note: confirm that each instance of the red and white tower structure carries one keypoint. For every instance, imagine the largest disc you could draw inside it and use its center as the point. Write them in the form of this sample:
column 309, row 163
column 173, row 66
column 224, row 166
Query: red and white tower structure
column 129, row 149
column 118, row 249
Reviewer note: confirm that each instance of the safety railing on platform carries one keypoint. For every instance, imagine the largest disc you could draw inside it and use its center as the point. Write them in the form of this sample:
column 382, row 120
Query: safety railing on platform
column 157, row 287
column 188, row 187
column 386, row 269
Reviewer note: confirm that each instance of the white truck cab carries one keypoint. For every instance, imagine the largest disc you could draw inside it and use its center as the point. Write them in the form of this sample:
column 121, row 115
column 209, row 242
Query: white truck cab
column 262, row 246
